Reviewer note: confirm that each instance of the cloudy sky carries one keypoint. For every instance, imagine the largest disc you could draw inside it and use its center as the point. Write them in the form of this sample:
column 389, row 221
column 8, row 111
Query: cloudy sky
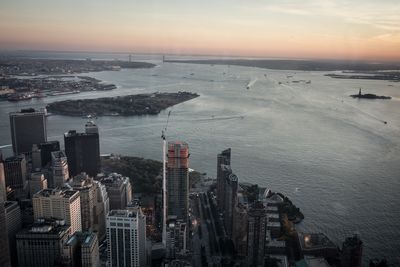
column 342, row 29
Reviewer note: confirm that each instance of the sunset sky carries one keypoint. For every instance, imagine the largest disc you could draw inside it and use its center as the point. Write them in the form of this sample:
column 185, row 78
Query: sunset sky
column 358, row 29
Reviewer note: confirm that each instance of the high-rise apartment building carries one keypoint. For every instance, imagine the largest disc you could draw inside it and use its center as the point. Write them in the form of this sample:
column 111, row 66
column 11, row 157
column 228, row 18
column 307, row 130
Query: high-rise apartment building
column 59, row 164
column 81, row 249
column 126, row 238
column 230, row 202
column 42, row 243
column 61, row 204
column 224, row 158
column 227, row 190
column 256, row 232
column 83, row 152
column 84, row 184
column 178, row 180
column 119, row 190
column 28, row 127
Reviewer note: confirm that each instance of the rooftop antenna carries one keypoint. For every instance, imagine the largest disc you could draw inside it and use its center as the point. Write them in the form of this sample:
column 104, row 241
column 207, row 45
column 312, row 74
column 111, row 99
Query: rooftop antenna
column 164, row 151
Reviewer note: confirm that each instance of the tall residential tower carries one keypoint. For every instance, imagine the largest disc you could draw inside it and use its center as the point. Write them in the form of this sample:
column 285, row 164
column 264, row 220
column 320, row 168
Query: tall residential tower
column 178, row 180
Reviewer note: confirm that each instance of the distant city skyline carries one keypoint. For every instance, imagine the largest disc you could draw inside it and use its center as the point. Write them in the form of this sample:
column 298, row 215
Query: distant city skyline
column 341, row 29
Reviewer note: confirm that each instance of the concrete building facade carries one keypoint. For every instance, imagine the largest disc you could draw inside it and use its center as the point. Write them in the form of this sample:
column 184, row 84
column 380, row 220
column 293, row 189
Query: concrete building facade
column 81, row 249
column 84, row 184
column 62, row 204
column 126, row 238
column 60, row 168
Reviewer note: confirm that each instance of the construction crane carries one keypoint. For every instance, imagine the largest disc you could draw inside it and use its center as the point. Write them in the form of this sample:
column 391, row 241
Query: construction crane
column 164, row 160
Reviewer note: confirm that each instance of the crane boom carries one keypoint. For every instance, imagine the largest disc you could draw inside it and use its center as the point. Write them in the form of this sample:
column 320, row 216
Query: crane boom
column 164, row 151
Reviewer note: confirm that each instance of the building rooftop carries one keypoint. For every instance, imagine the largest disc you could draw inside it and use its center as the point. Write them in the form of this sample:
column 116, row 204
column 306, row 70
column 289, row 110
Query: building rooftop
column 315, row 241
column 84, row 238
column 14, row 158
column 58, row 155
column 47, row 226
column 56, row 192
column 233, row 177
column 113, row 179
column 28, row 111
column 73, row 133
column 273, row 224
column 312, row 262
column 123, row 213
column 281, row 260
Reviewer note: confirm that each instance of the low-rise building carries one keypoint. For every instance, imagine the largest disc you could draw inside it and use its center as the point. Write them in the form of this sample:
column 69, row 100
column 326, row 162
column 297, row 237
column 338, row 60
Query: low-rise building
column 317, row 245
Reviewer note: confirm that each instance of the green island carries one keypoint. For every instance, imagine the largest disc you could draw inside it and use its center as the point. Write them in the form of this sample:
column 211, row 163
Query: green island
column 130, row 105
column 145, row 174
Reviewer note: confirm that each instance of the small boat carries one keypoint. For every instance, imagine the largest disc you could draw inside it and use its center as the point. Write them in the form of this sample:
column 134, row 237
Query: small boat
column 17, row 98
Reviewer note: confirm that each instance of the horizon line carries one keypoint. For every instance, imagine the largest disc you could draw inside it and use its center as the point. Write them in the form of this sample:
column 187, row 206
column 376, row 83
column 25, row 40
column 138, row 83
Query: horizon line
column 2, row 50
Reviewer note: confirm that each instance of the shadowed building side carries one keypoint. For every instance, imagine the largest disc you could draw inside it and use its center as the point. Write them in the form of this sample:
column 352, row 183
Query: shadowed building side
column 28, row 127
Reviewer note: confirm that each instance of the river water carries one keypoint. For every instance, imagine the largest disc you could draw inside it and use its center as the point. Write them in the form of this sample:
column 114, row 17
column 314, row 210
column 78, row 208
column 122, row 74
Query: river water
column 331, row 154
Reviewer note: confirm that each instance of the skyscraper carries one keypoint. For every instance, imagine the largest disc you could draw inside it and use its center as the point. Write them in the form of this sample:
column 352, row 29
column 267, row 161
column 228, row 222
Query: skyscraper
column 5, row 259
column 230, row 202
column 14, row 224
column 28, row 127
column 119, row 190
column 81, row 249
column 15, row 173
column 84, row 184
column 224, row 158
column 45, row 151
column 60, row 168
column 36, row 183
column 3, row 194
column 101, row 209
column 256, row 231
column 126, row 238
column 83, row 151
column 178, row 180
column 61, row 204
column 41, row 244
column 36, row 158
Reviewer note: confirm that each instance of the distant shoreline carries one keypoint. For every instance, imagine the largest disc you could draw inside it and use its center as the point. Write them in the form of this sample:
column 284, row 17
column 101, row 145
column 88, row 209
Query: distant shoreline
column 299, row 65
